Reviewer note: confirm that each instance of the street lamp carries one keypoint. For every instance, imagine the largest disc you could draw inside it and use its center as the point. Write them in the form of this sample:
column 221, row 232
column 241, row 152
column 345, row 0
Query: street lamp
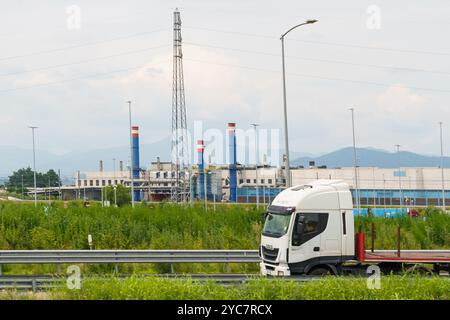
column 286, row 143
column 131, row 155
column 355, row 164
column 34, row 165
column 256, row 162
column 115, row 195
column 114, row 170
column 399, row 177
column 442, row 168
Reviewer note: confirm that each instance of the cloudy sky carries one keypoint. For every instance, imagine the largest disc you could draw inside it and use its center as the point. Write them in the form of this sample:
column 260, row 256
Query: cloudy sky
column 72, row 77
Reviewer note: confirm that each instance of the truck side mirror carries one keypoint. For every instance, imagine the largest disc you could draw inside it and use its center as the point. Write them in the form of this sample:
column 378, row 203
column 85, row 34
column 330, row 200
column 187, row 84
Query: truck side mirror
column 298, row 231
column 300, row 225
column 300, row 228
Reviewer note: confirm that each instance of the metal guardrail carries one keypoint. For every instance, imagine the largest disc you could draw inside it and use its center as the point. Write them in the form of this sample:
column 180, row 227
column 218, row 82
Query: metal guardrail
column 30, row 283
column 127, row 256
column 42, row 282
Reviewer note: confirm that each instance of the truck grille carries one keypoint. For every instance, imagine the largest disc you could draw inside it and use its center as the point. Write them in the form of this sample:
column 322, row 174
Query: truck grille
column 270, row 254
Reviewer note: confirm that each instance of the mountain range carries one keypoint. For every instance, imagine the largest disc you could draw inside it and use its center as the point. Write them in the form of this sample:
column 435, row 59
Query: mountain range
column 13, row 158
column 370, row 157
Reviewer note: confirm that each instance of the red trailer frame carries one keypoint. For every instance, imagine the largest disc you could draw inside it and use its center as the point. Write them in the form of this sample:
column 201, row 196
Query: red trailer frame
column 398, row 256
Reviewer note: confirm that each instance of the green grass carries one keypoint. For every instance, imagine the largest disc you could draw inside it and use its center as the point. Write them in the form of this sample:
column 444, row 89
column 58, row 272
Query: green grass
column 165, row 226
column 22, row 226
column 157, row 226
column 335, row 288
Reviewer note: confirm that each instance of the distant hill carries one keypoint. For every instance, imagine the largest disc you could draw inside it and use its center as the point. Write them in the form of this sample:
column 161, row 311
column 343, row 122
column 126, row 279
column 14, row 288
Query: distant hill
column 13, row 158
column 368, row 157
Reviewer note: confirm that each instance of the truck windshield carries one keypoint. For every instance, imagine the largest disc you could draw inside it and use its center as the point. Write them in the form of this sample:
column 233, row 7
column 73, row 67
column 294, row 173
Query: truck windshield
column 276, row 225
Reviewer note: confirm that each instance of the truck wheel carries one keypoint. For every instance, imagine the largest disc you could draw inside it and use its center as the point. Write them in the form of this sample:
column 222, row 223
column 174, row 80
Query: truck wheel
column 420, row 270
column 319, row 272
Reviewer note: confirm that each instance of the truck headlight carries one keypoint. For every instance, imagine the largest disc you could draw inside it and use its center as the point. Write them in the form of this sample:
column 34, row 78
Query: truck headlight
column 280, row 273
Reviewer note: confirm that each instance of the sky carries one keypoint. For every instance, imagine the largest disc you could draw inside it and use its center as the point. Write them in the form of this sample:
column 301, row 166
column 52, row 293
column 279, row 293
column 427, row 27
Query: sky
column 69, row 67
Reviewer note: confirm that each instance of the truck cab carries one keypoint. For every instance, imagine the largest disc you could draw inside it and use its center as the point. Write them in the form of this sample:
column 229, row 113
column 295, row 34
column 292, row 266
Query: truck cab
column 308, row 229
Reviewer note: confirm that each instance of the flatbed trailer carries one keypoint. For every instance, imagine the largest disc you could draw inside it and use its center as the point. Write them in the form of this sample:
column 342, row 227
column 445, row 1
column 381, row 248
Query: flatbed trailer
column 408, row 256
column 310, row 229
column 398, row 255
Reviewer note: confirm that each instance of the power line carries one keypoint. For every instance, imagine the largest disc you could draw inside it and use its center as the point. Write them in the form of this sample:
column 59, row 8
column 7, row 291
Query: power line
column 81, row 45
column 321, row 77
column 320, row 60
column 325, row 43
column 235, row 32
column 240, row 67
column 74, row 79
column 373, row 48
column 82, row 61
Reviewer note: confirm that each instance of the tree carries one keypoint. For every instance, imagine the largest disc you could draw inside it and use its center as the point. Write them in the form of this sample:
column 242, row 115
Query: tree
column 24, row 178
column 122, row 193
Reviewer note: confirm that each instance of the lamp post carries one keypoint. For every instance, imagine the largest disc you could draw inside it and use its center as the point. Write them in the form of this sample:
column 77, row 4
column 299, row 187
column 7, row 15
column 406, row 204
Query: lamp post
column 131, row 155
column 114, row 170
column 399, row 177
column 384, row 193
column 286, row 140
column 115, row 195
column 205, row 189
column 442, row 168
column 34, row 165
column 355, row 164
column 256, row 163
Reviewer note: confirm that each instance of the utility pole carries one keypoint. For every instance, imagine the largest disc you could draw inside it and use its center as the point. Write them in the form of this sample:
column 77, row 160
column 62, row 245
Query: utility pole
column 115, row 195
column 442, row 169
column 399, row 177
column 255, row 125
column 114, row 169
column 78, row 184
column 34, row 165
column 384, row 193
column 374, row 187
column 131, row 155
column 286, row 139
column 355, row 164
column 59, row 184
column 206, row 189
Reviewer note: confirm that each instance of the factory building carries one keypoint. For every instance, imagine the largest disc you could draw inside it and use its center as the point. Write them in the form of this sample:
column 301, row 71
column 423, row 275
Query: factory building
column 415, row 186
column 379, row 186
column 235, row 182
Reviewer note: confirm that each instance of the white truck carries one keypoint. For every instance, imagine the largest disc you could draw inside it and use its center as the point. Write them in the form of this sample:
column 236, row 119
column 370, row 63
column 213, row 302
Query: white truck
column 309, row 229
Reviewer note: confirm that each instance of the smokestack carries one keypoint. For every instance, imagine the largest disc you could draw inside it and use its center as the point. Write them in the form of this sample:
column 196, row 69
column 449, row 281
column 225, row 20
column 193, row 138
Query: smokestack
column 201, row 168
column 135, row 136
column 121, row 165
column 101, row 166
column 232, row 165
column 158, row 164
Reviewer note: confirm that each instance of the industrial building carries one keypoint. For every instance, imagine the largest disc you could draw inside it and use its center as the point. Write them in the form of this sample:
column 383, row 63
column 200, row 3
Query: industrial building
column 380, row 186
column 235, row 182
